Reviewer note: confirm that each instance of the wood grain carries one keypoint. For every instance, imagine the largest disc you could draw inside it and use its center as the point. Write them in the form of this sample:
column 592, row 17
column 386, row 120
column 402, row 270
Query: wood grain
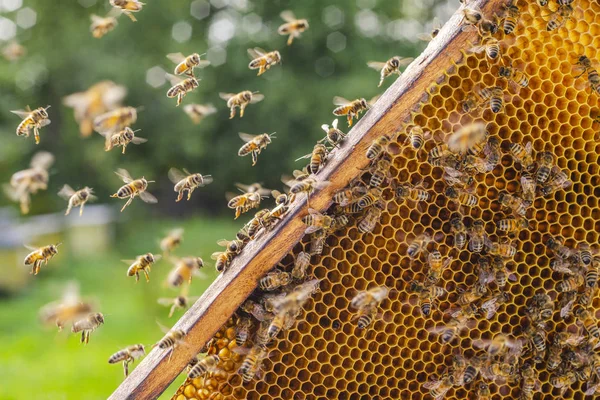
column 230, row 289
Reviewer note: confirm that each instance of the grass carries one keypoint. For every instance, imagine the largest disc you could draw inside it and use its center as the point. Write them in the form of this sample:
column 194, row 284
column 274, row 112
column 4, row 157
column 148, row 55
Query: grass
column 40, row 362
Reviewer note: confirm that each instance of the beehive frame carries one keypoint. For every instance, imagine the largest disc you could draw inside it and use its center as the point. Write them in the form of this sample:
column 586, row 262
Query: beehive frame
column 425, row 96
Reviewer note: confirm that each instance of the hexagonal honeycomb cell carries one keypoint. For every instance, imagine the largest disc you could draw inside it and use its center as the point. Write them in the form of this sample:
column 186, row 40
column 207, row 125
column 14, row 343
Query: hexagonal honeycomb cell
column 325, row 355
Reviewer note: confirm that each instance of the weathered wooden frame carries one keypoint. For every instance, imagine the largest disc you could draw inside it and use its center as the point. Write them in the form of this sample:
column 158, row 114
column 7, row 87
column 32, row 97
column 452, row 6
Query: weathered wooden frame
column 155, row 373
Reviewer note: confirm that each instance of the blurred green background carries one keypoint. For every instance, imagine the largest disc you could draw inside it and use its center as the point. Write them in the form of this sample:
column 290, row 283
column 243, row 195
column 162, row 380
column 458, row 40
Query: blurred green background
column 62, row 58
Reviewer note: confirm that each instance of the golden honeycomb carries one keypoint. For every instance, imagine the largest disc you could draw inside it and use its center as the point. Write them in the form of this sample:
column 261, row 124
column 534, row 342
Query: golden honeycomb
column 324, row 355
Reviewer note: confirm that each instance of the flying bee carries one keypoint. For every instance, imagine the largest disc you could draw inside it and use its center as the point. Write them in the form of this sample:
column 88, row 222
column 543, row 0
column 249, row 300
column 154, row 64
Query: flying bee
column 516, row 204
column 489, row 45
column 133, row 188
column 512, row 225
column 436, row 264
column 501, row 272
column 390, row 67
column 115, row 120
column 254, row 144
column 436, row 26
column 522, row 155
column 334, row 135
column 40, row 255
column 560, row 17
column 241, row 100
column 558, row 181
column 557, row 246
column 244, row 202
column 128, row 7
column 371, row 217
column 197, row 112
column 366, row 302
column 545, row 164
column 187, row 182
column 491, row 304
column 256, row 310
column 292, row 27
column 76, row 198
column 308, row 186
column 316, row 221
column 418, row 245
column 378, row 147
column 252, row 363
column 128, row 355
column 35, row 120
column 428, row 294
column 459, row 230
column 186, row 65
column 275, row 280
column 263, row 60
column 416, row 136
column 122, row 138
column 69, row 308
column 351, row 109
column 528, row 186
column 102, row 25
column 477, row 236
column 171, row 241
column 514, row 76
column 173, row 338
column 29, row 181
column 462, row 198
column 469, row 139
column 292, row 302
column 318, row 158
column 176, row 303
column 504, row 249
column 141, row 263
column 87, row 325
column 180, row 87
column 301, row 263
column 184, row 270
column 439, row 387
column 206, row 365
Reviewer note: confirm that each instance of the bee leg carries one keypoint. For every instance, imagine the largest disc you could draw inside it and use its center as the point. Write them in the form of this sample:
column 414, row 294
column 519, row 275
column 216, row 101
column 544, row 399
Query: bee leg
column 36, row 133
column 137, row 277
column 179, row 195
column 349, row 118
column 147, row 276
column 172, row 311
column 254, row 158
column 59, row 324
column 124, row 147
column 82, row 336
column 190, row 191
column 290, row 40
column 179, row 99
column 81, row 209
column 232, row 112
column 130, row 15
column 68, row 208
column 126, row 368
column 242, row 108
column 171, row 354
column 127, row 203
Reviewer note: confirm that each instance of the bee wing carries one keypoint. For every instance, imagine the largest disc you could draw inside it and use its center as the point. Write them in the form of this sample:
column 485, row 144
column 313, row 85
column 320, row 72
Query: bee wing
column 242, row 187
column 75, row 100
column 566, row 310
column 287, row 15
column 246, row 137
column 309, row 155
column 321, row 184
column 334, row 124
column 175, row 175
column 138, row 140
column 325, row 127
column 29, row 247
column 44, row 122
column 426, row 37
column 256, row 52
column 124, row 175
column 174, row 79
column 42, row 159
column 340, row 101
column 376, row 65
column 216, row 255
column 21, row 113
column 66, row 192
column 256, row 97
column 203, row 64
column 206, row 109
column 477, row 49
column 176, row 57
column 436, row 24
column 128, row 262
column 528, row 147
column 95, row 19
column 226, row 96
column 373, row 100
column 148, row 198
column 223, row 242
column 165, row 301
column 404, row 61
column 113, row 96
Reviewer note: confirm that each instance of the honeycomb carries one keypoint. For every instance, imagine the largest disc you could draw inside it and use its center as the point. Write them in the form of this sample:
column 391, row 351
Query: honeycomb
column 325, row 355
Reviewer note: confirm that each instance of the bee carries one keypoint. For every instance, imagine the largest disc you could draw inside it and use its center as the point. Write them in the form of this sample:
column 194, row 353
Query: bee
column 411, row 193
column 180, row 87
column 436, row 264
column 334, row 135
column 390, row 67
column 416, row 136
column 204, row 366
column 263, row 60
column 586, row 297
column 586, row 319
column 541, row 304
column 490, row 45
column 566, row 304
column 349, row 108
column 593, row 78
column 317, row 242
column 241, row 100
column 13, row 51
column 371, row 297
column 141, row 263
column 511, row 17
column 563, row 381
column 473, row 16
column 282, row 321
column 365, row 316
column 127, row 355
column 176, row 303
column 514, row 76
column 512, row 225
column 87, row 325
column 316, row 221
column 292, row 302
column 223, row 259
column 428, row 294
column 69, row 308
column 494, row 96
column 102, row 25
column 418, row 244
column 572, row 283
column 292, row 27
column 501, row 273
column 491, row 304
column 483, row 391
column 371, row 217
column 186, row 181
column 29, row 181
column 463, row 371
column 254, row 144
column 349, row 195
column 76, row 198
column 122, row 138
column 128, row 7
column 368, row 199
column 469, row 139
column 35, row 120
column 308, row 186
column 499, row 345
column 173, row 338
column 171, row 241
column 467, row 297
column 378, row 147
column 234, row 246
column 93, row 102
column 301, row 263
column 530, row 382
column 560, row 17
column 559, row 181
column 458, row 228
column 545, row 164
column 275, row 280
column 318, row 158
column 242, row 330
column 186, row 65
column 435, row 29
column 197, row 112
column 452, row 329
column 133, row 188
column 505, row 249
column 439, row 387
column 256, row 310
column 40, row 255
column 252, row 363
column 474, row 165
column 554, row 355
column 556, row 244
column 462, row 198
column 455, row 177
column 115, row 120
column 516, row 204
column 492, row 151
column 585, row 254
column 184, row 269
column 528, row 186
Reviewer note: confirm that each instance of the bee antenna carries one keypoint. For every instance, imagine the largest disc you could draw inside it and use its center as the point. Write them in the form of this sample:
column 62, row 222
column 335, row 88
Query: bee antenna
column 47, row 107
column 151, row 181
column 140, row 108
column 58, row 244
